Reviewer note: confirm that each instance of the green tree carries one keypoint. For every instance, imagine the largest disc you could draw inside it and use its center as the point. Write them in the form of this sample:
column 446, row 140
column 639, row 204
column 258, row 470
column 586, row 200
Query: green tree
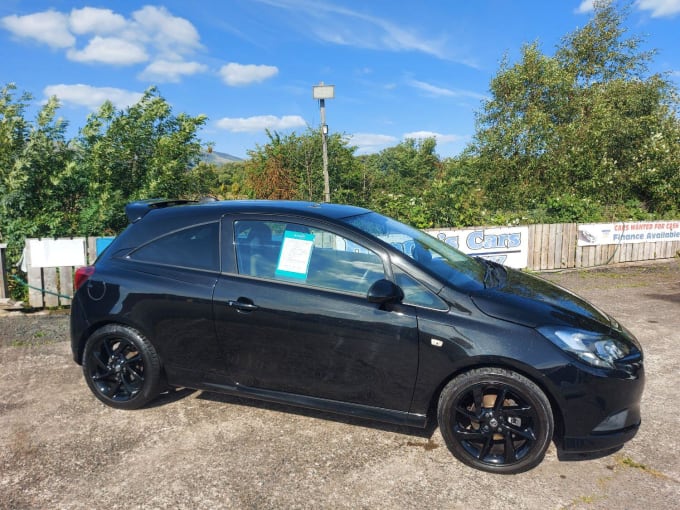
column 518, row 128
column 268, row 175
column 290, row 167
column 578, row 134
column 142, row 152
column 39, row 188
column 405, row 180
column 14, row 136
column 230, row 180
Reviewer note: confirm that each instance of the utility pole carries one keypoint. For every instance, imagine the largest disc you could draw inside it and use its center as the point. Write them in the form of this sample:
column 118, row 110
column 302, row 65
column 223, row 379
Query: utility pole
column 323, row 92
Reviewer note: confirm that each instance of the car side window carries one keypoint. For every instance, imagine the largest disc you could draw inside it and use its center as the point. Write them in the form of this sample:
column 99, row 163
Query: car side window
column 195, row 247
column 305, row 255
column 415, row 293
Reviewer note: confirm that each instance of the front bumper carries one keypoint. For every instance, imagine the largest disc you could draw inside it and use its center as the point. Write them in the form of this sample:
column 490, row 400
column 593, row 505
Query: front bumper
column 600, row 411
column 600, row 441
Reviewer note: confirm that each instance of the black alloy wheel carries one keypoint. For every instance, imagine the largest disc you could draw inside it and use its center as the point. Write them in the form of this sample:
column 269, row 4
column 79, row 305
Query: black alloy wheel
column 495, row 420
column 121, row 367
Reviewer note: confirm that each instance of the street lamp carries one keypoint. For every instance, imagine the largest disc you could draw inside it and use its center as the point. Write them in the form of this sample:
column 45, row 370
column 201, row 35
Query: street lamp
column 323, row 92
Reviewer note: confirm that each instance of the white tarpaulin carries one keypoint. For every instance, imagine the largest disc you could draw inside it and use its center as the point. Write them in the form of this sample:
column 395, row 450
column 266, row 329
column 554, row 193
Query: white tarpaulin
column 57, row 252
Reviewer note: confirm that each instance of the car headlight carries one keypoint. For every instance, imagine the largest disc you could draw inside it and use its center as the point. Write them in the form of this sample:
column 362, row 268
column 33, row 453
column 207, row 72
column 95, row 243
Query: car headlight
column 596, row 349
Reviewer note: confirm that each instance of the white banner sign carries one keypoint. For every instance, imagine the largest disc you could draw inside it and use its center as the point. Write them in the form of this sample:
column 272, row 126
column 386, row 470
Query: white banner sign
column 625, row 233
column 505, row 245
column 57, row 252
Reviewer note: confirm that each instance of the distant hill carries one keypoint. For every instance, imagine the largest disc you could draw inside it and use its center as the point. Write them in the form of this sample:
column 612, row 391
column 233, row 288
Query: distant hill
column 219, row 158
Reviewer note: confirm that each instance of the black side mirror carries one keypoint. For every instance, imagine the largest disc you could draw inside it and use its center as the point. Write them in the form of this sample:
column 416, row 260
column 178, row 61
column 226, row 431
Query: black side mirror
column 384, row 291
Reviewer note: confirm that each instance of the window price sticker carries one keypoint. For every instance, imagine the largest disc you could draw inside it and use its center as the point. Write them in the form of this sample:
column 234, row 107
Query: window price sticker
column 296, row 250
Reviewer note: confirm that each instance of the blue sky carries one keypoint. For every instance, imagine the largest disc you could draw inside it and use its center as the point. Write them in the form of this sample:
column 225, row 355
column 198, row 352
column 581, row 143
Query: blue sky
column 400, row 69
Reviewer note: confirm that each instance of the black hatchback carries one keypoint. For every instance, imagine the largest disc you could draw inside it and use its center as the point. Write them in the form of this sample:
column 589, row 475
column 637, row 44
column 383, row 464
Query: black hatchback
column 338, row 308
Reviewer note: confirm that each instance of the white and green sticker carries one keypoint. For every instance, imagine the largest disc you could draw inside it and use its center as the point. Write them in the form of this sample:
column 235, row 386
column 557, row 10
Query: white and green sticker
column 296, row 250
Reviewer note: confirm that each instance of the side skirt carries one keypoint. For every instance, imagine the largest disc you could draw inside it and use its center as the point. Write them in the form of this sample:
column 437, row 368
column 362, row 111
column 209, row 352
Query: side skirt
column 322, row 404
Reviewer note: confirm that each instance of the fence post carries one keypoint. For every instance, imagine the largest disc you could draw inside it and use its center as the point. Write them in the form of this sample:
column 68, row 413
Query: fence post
column 4, row 289
column 34, row 277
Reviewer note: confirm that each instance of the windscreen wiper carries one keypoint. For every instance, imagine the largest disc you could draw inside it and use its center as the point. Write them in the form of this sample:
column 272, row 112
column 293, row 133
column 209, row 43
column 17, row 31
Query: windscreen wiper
column 494, row 273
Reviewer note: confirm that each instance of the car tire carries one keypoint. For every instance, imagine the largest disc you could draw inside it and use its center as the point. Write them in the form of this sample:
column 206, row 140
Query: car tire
column 495, row 420
column 121, row 367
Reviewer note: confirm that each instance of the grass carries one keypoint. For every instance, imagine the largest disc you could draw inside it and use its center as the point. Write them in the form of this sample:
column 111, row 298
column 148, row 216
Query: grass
column 585, row 500
column 38, row 338
column 428, row 445
column 627, row 462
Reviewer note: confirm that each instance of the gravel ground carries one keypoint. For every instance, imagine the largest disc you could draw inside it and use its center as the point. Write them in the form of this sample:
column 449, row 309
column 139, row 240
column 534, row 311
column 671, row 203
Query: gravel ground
column 62, row 448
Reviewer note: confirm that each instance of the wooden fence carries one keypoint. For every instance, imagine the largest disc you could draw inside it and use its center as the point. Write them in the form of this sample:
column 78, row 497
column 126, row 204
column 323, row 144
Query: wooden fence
column 550, row 247
column 555, row 246
column 50, row 287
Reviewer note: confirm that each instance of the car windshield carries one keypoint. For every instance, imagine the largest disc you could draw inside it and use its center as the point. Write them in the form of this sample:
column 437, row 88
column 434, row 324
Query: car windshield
column 449, row 264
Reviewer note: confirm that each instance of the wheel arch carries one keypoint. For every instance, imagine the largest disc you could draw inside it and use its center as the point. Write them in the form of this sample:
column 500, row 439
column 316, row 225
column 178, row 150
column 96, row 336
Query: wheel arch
column 530, row 373
column 92, row 328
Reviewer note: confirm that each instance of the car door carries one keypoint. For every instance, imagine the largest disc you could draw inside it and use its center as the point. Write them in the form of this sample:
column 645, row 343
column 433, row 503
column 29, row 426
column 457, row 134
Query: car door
column 166, row 289
column 292, row 316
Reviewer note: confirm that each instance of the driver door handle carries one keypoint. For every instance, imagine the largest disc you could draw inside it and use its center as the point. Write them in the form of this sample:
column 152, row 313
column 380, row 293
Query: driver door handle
column 242, row 305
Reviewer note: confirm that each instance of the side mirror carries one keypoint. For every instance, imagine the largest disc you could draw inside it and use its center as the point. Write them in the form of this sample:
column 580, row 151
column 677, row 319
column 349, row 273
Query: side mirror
column 384, row 291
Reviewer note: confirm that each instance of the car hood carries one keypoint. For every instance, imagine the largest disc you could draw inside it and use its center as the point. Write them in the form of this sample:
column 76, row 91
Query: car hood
column 532, row 301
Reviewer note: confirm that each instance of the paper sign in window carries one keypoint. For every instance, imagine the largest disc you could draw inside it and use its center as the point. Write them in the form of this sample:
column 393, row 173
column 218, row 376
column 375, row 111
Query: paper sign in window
column 296, row 250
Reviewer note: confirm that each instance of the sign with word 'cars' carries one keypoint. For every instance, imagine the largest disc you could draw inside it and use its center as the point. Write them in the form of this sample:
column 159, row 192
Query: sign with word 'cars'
column 506, row 245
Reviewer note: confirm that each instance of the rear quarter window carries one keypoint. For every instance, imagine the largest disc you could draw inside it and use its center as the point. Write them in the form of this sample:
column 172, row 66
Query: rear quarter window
column 195, row 247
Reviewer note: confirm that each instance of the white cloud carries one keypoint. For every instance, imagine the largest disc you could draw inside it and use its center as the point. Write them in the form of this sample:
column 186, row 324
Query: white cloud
column 432, row 89
column 441, row 138
column 368, row 143
column 659, row 8
column 238, row 75
column 110, row 50
column 335, row 24
column 584, row 7
column 97, row 35
column 95, row 21
column 170, row 35
column 260, row 123
column 49, row 27
column 436, row 91
column 92, row 97
column 171, row 71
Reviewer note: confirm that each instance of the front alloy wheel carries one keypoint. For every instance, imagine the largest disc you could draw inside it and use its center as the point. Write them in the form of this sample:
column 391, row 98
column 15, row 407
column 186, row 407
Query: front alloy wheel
column 121, row 367
column 495, row 420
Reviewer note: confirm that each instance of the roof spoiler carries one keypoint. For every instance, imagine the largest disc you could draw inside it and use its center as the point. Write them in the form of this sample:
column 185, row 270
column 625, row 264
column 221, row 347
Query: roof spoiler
column 135, row 211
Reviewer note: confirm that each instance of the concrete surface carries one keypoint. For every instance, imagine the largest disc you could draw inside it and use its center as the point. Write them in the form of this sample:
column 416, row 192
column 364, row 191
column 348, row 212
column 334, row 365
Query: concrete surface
column 62, row 448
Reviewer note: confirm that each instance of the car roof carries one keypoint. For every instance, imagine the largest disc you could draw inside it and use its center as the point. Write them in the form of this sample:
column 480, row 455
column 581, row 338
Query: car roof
column 152, row 218
column 135, row 211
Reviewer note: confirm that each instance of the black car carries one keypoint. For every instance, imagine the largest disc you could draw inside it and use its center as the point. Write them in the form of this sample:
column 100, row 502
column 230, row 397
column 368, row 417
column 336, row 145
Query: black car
column 338, row 308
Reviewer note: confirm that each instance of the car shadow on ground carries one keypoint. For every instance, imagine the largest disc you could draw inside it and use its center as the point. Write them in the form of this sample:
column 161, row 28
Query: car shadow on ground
column 425, row 433
column 177, row 394
column 673, row 298
column 576, row 457
column 169, row 396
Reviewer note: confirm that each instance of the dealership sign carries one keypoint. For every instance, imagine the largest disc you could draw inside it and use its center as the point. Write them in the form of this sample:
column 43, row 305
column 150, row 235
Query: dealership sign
column 505, row 245
column 628, row 232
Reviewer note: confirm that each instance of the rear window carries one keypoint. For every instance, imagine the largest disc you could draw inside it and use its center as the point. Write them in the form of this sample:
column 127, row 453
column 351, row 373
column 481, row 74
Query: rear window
column 195, row 247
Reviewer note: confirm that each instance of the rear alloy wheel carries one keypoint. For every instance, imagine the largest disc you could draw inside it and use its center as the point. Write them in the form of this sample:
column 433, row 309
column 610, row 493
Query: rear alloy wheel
column 495, row 420
column 121, row 367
